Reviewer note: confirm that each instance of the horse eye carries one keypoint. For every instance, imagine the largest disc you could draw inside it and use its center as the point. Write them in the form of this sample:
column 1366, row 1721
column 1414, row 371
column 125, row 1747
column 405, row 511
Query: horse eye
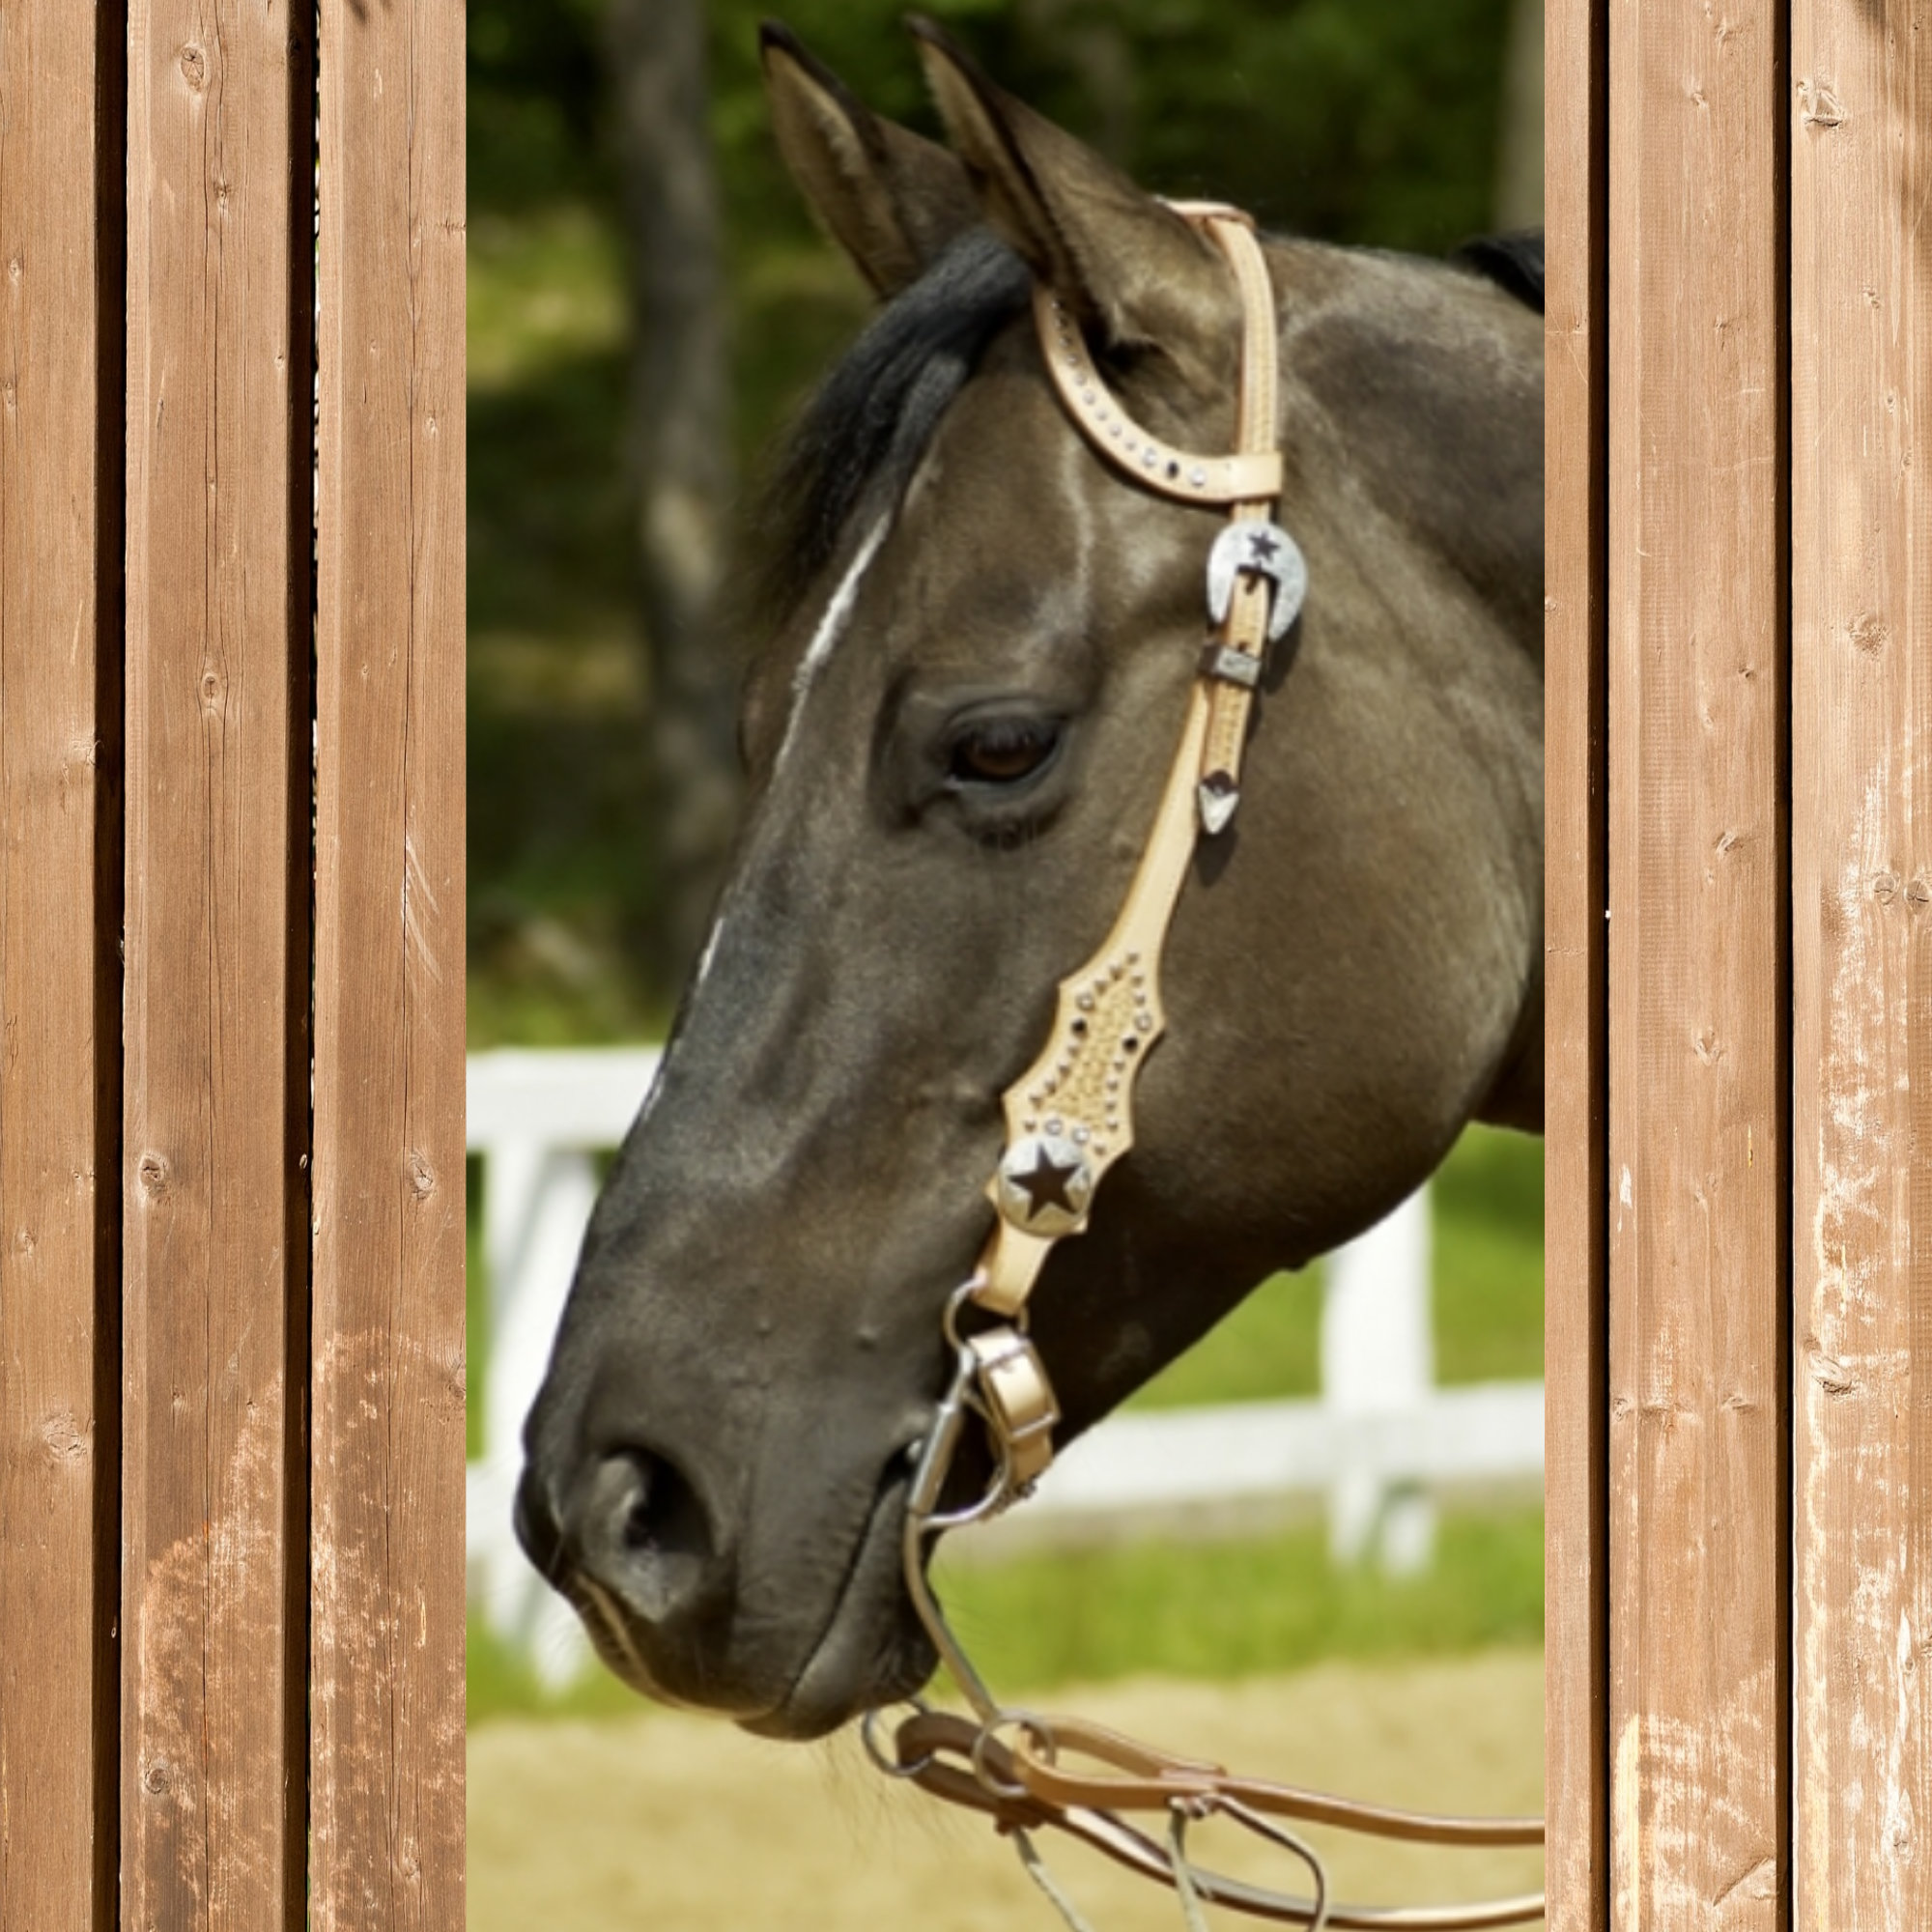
column 1001, row 751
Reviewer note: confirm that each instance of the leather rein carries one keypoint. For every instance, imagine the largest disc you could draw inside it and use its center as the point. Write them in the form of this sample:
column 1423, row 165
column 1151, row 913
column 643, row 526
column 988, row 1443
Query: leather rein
column 1069, row 1118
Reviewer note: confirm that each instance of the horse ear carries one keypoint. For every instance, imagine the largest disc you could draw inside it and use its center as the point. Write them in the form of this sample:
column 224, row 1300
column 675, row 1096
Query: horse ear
column 889, row 198
column 1121, row 259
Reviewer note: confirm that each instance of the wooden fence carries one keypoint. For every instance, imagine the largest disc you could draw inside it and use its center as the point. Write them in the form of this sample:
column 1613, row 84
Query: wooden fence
column 231, row 965
column 1740, row 964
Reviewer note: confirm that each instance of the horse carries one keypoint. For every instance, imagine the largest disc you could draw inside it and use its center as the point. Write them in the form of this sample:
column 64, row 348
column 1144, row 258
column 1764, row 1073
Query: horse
column 981, row 640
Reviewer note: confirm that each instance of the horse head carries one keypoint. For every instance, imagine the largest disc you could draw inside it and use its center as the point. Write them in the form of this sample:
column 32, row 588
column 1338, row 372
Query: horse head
column 956, row 733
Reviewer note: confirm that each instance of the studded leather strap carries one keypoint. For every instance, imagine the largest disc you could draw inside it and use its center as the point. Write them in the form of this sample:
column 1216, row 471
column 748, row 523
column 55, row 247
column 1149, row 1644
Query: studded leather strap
column 1069, row 1116
column 1240, row 479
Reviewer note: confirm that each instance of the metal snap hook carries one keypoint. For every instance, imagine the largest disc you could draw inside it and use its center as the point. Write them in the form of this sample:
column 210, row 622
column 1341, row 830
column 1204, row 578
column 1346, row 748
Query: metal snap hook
column 1290, row 1842
column 965, row 1295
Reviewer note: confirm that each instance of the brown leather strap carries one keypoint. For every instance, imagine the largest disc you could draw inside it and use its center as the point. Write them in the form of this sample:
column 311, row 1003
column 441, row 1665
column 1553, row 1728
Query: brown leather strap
column 1140, row 1779
column 954, row 1758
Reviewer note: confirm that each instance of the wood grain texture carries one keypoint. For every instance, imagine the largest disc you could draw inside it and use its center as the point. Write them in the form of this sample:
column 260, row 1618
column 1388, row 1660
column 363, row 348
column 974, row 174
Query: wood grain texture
column 1862, row 992
column 60, row 862
column 388, row 1362
column 219, row 440
column 1576, row 1593
column 1697, row 898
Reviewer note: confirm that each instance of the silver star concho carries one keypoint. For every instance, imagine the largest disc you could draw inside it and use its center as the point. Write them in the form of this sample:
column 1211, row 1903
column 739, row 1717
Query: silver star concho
column 1045, row 1184
column 1268, row 550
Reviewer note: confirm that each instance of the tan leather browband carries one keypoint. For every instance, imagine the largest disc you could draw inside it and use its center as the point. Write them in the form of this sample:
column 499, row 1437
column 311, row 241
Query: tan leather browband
column 1068, row 1119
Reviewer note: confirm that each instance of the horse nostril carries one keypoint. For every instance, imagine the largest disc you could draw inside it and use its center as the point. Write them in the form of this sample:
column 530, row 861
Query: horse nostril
column 638, row 1528
column 640, row 1531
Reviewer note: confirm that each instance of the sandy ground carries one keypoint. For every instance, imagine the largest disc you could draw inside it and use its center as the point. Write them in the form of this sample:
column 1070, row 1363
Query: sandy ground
column 669, row 1824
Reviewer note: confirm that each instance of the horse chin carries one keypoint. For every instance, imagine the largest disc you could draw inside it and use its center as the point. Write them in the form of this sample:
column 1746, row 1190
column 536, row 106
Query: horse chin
column 873, row 1651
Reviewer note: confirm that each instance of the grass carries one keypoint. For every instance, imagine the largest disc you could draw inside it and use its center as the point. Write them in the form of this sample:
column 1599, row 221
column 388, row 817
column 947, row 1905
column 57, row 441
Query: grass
column 1237, row 1609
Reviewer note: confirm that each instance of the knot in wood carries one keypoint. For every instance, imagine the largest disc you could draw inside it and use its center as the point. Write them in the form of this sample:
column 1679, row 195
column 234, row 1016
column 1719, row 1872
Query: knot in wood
column 1869, row 632
column 194, row 66
column 1819, row 105
column 154, row 1170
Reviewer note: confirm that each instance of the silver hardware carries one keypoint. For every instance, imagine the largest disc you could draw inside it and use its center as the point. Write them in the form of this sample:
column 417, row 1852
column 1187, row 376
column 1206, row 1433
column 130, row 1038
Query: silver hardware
column 1045, row 1182
column 1262, row 550
column 1217, row 795
column 1229, row 666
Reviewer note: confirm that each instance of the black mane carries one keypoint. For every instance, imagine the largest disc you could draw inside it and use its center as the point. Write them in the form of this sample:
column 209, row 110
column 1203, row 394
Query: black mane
column 1513, row 262
column 879, row 407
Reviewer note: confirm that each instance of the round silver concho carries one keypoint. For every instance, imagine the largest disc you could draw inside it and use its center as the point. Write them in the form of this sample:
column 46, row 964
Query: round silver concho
column 1045, row 1184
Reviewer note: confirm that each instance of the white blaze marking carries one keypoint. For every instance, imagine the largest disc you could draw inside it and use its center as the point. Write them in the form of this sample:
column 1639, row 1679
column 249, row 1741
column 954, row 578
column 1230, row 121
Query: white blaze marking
column 709, row 954
column 831, row 628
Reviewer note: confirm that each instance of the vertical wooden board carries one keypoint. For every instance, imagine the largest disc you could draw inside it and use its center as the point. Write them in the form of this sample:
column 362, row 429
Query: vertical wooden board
column 1575, row 1255
column 213, row 1746
column 1861, row 959
column 1697, row 1160
column 389, row 1363
column 60, row 862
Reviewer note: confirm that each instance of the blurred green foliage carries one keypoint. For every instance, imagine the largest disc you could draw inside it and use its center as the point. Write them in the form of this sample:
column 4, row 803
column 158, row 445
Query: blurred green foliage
column 1368, row 121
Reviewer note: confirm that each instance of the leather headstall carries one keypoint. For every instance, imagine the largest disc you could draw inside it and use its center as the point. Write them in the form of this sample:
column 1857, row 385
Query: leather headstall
column 1069, row 1116
column 1068, row 1119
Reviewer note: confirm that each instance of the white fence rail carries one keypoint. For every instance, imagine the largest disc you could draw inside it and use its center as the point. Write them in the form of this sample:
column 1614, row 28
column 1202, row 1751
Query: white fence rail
column 1375, row 1446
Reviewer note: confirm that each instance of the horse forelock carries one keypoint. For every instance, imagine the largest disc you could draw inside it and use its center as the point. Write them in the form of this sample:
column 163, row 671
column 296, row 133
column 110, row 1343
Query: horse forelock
column 872, row 418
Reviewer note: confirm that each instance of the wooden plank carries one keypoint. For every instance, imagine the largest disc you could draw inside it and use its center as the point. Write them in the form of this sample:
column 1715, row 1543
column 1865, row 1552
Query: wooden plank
column 1575, row 1252
column 214, row 1747
column 1862, row 993
column 389, row 1375
column 60, row 919
column 1698, row 1465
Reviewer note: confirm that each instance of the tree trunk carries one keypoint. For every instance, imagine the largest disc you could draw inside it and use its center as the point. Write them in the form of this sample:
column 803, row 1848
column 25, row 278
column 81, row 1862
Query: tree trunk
column 1520, row 162
column 679, row 443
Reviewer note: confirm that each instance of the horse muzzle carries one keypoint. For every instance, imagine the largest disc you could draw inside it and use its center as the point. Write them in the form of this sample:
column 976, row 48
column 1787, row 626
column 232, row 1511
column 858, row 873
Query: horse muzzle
column 791, row 1642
